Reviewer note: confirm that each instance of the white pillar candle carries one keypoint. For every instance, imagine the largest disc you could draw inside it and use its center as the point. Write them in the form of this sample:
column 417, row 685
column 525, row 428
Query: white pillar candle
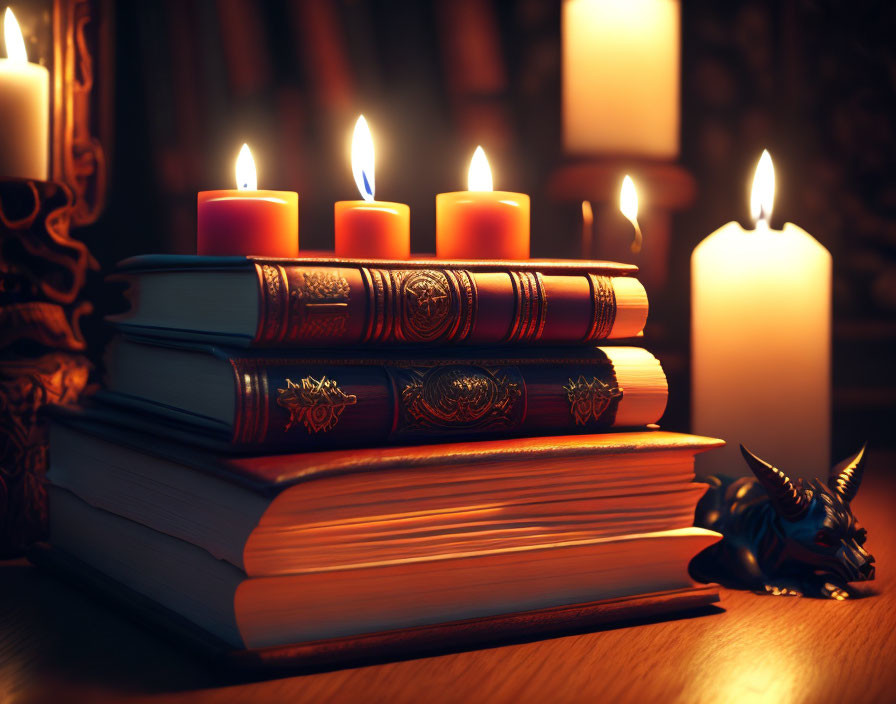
column 621, row 77
column 761, row 340
column 24, row 109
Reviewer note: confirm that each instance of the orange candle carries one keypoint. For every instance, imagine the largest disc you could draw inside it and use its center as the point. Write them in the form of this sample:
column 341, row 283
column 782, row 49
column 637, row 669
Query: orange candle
column 247, row 221
column 481, row 223
column 370, row 229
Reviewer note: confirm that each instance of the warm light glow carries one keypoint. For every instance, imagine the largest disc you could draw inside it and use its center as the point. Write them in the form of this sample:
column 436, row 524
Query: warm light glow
column 15, row 44
column 762, row 196
column 628, row 200
column 480, row 176
column 363, row 159
column 246, row 178
column 628, row 205
column 587, row 213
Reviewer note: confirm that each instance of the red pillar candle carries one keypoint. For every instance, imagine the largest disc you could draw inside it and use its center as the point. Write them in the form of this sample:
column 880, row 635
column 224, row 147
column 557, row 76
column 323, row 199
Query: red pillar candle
column 481, row 223
column 370, row 229
column 247, row 221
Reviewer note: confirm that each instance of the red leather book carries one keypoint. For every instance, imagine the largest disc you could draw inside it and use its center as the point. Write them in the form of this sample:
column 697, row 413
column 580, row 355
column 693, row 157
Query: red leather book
column 265, row 402
column 246, row 301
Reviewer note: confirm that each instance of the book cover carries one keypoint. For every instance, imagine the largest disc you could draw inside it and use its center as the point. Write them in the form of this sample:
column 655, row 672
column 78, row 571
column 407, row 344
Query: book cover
column 246, row 301
column 309, row 401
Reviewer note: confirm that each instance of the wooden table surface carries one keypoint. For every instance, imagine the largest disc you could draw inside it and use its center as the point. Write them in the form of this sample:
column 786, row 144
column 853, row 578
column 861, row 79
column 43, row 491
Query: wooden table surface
column 58, row 644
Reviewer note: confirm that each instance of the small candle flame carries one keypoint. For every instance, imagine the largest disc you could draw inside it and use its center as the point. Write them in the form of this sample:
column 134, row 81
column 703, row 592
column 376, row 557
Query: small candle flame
column 363, row 159
column 15, row 44
column 479, row 177
column 762, row 197
column 246, row 178
column 628, row 205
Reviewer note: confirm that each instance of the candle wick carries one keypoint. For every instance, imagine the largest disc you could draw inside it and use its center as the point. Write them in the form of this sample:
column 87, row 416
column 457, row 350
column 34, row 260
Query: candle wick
column 639, row 238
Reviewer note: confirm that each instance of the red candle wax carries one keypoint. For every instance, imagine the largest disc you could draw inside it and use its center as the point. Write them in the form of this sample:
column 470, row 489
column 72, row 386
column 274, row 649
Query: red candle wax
column 482, row 225
column 237, row 222
column 372, row 229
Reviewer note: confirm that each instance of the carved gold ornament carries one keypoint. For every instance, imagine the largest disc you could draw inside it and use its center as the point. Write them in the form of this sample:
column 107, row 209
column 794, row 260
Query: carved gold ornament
column 427, row 305
column 588, row 400
column 320, row 302
column 317, row 403
column 460, row 397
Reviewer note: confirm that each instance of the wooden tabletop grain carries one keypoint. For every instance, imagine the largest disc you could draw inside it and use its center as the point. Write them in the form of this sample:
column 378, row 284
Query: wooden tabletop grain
column 58, row 644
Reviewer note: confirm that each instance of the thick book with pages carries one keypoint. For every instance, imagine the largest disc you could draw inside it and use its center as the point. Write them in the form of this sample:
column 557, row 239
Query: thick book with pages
column 302, row 400
column 344, row 546
column 319, row 302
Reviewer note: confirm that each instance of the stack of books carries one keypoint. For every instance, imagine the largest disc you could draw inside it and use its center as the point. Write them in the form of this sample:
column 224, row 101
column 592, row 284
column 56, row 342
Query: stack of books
column 317, row 460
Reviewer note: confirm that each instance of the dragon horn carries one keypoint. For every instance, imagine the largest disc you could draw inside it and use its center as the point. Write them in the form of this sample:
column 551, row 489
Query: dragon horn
column 788, row 500
column 846, row 476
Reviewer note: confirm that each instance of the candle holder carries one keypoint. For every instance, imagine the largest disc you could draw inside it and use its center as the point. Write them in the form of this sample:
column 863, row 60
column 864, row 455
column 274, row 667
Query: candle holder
column 664, row 187
column 42, row 273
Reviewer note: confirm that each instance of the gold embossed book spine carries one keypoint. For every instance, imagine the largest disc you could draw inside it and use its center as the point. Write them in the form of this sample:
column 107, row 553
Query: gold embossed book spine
column 302, row 404
column 342, row 303
column 385, row 306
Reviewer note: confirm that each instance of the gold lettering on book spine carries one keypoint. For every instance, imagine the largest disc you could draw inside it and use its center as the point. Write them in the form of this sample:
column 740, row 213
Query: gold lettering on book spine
column 420, row 305
column 589, row 400
column 461, row 397
column 316, row 403
column 603, row 299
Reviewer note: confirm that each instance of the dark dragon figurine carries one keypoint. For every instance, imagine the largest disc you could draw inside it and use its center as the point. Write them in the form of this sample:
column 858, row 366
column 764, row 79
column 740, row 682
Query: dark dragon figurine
column 785, row 537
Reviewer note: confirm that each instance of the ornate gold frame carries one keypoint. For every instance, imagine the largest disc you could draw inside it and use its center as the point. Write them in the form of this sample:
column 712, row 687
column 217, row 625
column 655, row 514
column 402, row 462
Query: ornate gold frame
column 82, row 116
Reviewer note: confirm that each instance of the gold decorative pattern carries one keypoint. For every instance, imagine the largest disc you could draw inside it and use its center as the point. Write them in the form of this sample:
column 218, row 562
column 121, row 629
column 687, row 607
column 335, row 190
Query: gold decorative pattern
column 317, row 403
column 531, row 307
column 589, row 400
column 426, row 303
column 319, row 302
column 420, row 305
column 603, row 307
column 272, row 280
column 460, row 398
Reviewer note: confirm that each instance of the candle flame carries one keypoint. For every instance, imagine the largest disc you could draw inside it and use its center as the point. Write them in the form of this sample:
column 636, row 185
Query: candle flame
column 628, row 206
column 762, row 197
column 479, row 177
column 587, row 228
column 246, row 177
column 15, row 44
column 363, row 159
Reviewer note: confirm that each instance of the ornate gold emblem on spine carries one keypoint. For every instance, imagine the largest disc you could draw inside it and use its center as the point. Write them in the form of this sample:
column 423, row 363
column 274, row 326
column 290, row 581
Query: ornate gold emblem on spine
column 589, row 400
column 317, row 403
column 604, row 307
column 531, row 307
column 460, row 398
column 420, row 305
column 319, row 303
column 300, row 305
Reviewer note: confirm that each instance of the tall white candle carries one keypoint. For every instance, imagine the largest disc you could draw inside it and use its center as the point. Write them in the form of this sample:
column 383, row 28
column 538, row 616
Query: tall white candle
column 621, row 77
column 761, row 340
column 24, row 109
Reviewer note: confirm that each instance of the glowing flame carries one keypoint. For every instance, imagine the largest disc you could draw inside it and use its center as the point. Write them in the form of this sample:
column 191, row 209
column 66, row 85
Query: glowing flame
column 587, row 228
column 479, row 177
column 628, row 205
column 15, row 44
column 246, row 178
column 762, row 197
column 363, row 160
